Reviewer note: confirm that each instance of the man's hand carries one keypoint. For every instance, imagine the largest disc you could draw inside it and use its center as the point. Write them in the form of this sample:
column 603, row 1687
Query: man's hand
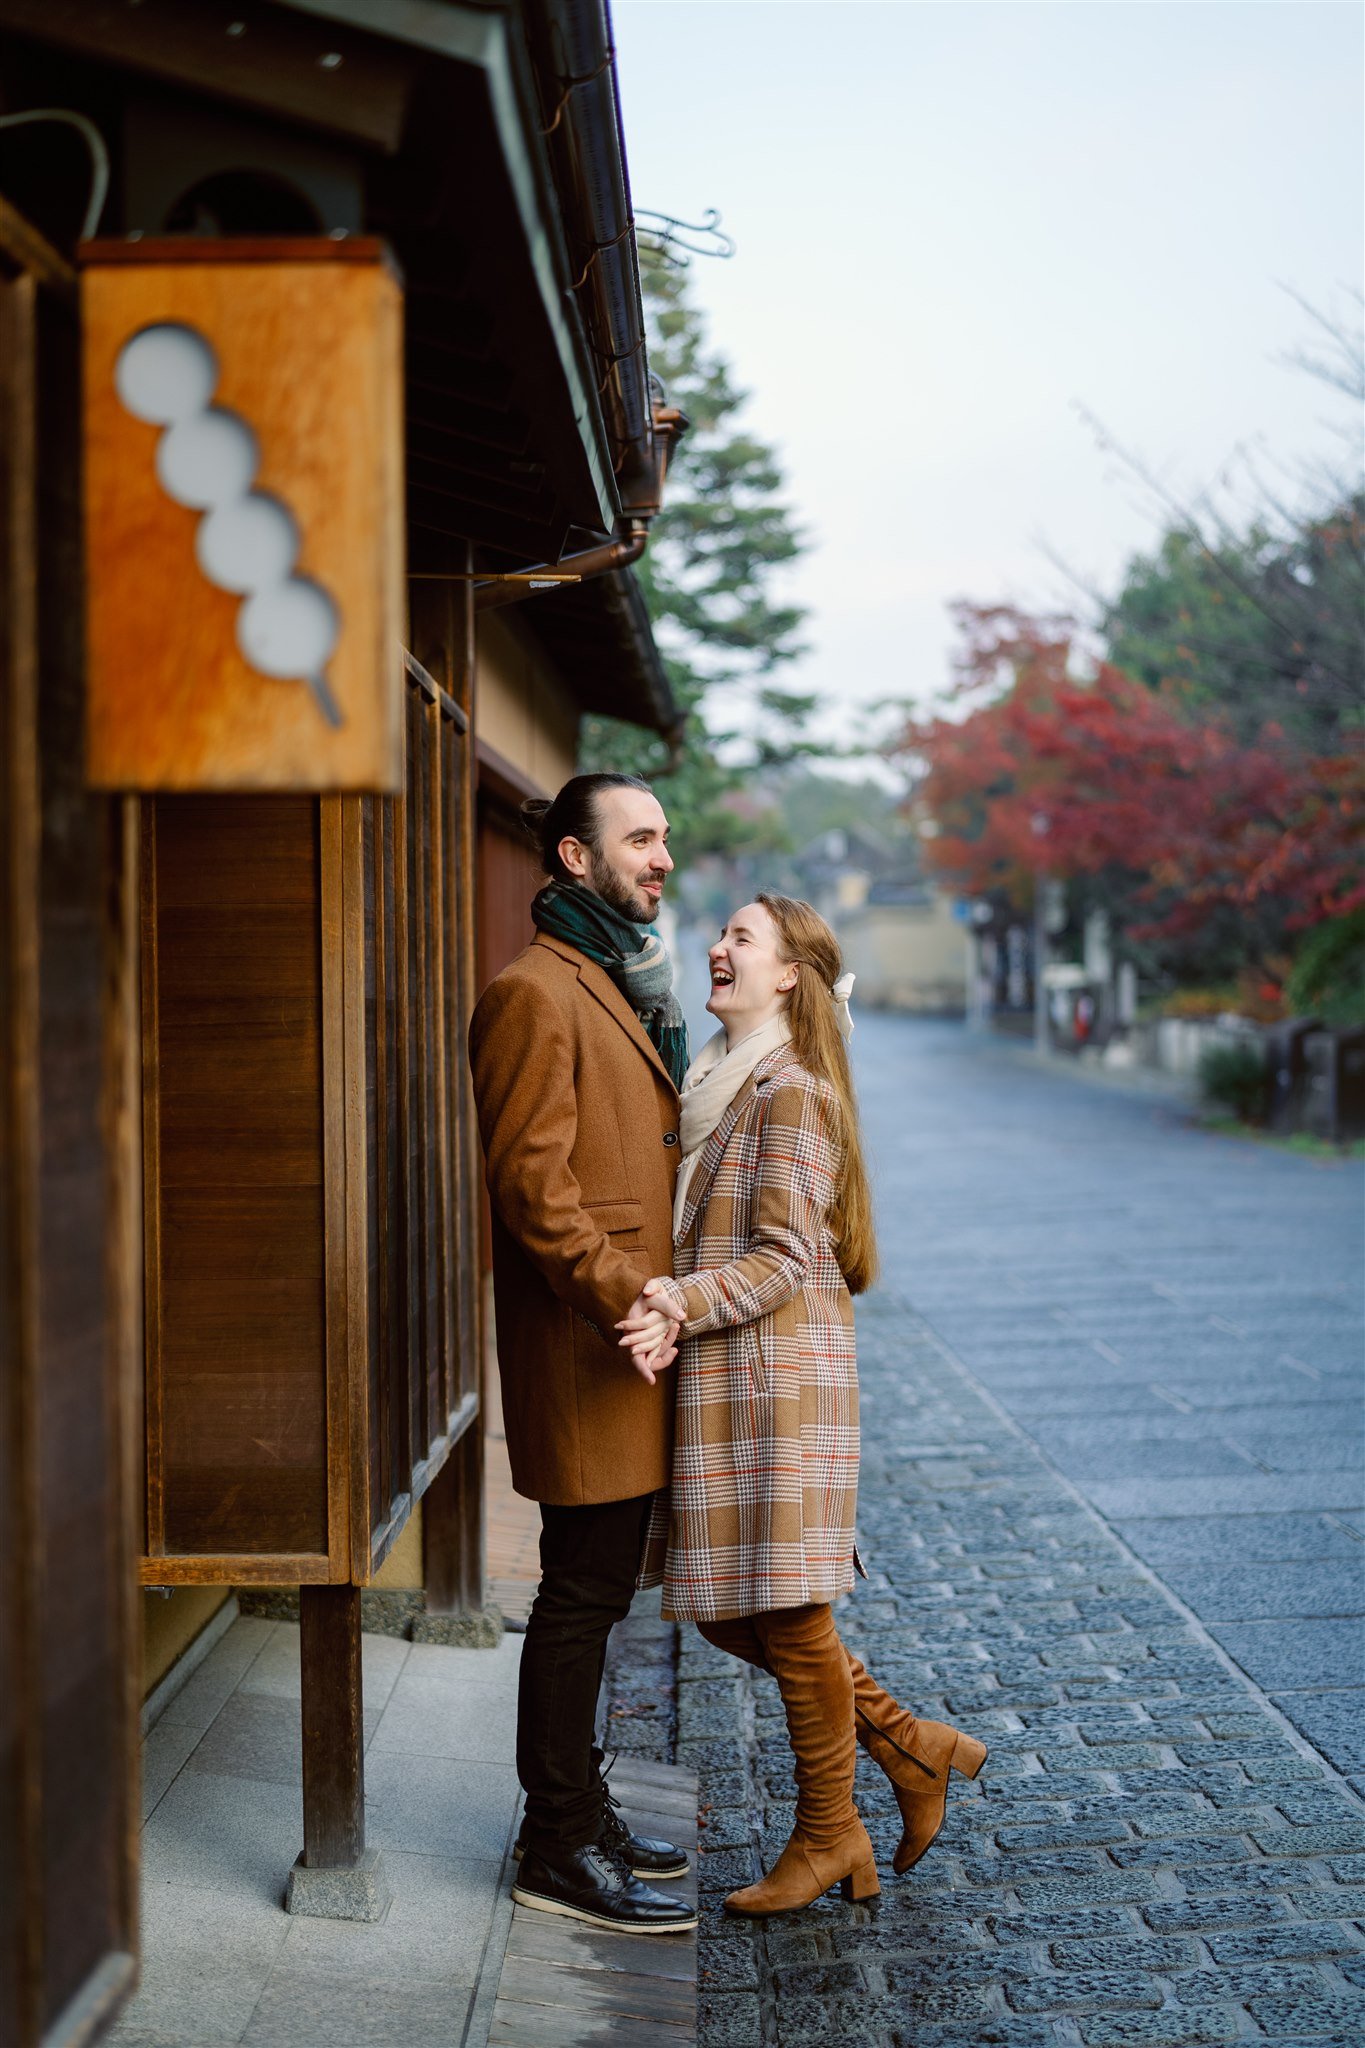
column 649, row 1333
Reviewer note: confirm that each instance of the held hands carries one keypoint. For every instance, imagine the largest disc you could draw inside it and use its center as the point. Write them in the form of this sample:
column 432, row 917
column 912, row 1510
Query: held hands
column 650, row 1332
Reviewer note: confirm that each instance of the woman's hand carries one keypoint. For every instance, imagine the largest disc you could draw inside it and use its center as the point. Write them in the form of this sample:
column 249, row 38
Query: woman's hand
column 649, row 1333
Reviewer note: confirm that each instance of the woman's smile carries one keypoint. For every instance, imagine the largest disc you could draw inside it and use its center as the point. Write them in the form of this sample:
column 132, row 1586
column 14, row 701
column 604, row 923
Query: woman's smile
column 750, row 981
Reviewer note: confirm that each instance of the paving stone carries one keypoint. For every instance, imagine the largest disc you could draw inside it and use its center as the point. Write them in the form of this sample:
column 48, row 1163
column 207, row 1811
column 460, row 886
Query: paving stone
column 1310, row 1841
column 1063, row 1834
column 1334, row 1722
column 1256, row 1592
column 1319, row 1938
column 1187, row 2027
column 1169, row 1916
column 1082, row 1924
column 1104, row 1888
column 1175, row 1851
column 1213, row 1540
column 730, row 2019
column 1346, row 1900
column 1281, row 1659
column 1251, row 1877
column 1061, row 1863
column 1305, row 2018
column 1125, row 1952
column 1311, row 1805
column 1330, row 2039
column 990, row 2030
column 1247, row 1981
column 1083, row 1991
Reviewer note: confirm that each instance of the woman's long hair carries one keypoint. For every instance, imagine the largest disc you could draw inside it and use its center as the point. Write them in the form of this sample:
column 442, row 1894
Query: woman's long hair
column 804, row 938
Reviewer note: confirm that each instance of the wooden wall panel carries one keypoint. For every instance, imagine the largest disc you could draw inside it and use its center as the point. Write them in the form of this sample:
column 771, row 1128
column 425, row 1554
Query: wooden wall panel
column 68, row 1728
column 237, row 1393
column 509, row 876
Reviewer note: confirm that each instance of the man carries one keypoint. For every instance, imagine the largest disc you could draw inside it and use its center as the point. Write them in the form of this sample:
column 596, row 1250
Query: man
column 578, row 1051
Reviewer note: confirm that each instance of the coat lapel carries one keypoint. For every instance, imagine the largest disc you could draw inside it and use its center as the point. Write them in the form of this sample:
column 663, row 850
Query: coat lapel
column 599, row 984
column 712, row 1152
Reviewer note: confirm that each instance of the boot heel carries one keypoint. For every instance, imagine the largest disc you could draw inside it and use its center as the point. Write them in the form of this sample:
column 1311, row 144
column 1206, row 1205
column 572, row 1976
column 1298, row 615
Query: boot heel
column 968, row 1755
column 862, row 1883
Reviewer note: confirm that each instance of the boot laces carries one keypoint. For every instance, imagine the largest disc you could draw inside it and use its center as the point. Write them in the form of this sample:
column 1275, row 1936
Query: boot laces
column 614, row 1840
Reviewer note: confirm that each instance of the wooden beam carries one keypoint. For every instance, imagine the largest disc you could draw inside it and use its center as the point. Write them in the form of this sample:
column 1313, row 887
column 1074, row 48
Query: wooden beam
column 22, row 248
column 503, row 777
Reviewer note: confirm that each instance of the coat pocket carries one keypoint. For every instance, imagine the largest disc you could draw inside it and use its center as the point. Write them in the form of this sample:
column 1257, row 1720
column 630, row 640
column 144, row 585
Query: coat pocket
column 616, row 1218
column 759, row 1373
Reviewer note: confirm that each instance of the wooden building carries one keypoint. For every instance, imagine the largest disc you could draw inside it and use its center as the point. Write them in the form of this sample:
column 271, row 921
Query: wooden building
column 245, row 909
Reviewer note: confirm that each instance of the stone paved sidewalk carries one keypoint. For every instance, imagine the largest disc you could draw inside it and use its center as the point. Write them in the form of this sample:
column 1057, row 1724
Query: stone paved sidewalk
column 1151, row 1856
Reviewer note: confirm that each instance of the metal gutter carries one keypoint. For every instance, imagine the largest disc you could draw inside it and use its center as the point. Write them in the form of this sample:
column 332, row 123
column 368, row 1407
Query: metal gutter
column 576, row 62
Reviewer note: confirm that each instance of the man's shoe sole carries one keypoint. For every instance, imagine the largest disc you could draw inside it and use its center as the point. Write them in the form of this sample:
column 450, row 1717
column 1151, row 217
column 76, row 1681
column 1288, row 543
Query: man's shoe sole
column 678, row 1870
column 544, row 1905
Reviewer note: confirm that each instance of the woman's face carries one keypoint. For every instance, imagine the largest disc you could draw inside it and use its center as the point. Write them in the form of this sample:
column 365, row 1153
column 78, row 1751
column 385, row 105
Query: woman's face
column 750, row 982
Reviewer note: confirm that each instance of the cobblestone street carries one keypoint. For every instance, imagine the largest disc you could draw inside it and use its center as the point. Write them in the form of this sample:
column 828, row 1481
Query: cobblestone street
column 1110, row 1363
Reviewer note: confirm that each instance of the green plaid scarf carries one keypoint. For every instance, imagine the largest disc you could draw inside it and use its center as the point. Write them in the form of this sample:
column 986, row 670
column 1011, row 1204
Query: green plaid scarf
column 632, row 954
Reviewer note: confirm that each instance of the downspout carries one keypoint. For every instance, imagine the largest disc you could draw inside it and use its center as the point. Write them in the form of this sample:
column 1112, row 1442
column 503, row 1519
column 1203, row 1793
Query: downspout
column 600, row 560
column 579, row 568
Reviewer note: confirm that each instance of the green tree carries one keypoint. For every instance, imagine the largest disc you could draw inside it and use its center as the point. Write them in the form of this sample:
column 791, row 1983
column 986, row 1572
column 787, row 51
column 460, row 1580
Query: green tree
column 1263, row 628
column 710, row 577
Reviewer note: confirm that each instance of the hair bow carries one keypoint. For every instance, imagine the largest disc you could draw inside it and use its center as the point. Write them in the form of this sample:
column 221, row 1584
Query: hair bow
column 841, row 991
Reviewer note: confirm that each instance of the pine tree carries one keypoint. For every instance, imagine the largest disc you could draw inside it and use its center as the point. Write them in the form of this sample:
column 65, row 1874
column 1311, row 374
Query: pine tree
column 708, row 577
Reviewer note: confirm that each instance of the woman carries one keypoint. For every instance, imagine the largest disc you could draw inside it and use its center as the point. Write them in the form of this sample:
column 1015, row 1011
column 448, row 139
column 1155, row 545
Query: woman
column 772, row 1236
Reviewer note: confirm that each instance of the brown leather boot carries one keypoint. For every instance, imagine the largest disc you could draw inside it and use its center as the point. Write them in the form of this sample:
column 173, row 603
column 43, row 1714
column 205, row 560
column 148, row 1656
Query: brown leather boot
column 829, row 1844
column 916, row 1756
column 738, row 1637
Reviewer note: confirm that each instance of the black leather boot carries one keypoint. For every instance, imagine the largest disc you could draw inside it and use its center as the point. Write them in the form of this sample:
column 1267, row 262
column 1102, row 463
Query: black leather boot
column 589, row 1884
column 646, row 1855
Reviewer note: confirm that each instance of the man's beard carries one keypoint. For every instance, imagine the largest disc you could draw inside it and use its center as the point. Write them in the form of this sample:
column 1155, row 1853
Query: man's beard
column 623, row 897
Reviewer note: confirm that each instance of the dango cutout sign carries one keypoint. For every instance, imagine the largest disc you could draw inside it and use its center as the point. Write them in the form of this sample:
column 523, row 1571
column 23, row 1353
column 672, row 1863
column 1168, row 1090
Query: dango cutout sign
column 247, row 542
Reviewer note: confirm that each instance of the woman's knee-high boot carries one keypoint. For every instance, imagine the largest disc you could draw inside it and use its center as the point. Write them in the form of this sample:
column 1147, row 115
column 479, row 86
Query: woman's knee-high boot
column 829, row 1844
column 738, row 1637
column 916, row 1756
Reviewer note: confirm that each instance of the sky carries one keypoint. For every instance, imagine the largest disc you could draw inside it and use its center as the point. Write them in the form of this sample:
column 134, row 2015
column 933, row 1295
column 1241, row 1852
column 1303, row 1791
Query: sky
column 959, row 221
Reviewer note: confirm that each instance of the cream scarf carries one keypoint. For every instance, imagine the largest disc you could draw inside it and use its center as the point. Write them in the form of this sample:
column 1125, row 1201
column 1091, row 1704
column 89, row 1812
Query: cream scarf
column 710, row 1085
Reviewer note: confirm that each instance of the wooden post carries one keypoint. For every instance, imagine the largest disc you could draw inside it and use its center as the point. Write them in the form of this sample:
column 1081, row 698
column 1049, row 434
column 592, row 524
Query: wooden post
column 452, row 1506
column 452, row 1529
column 336, row 1878
column 333, row 1737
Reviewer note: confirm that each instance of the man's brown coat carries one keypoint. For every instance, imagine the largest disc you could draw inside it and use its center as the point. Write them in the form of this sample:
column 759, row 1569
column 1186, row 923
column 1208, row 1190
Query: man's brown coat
column 579, row 1122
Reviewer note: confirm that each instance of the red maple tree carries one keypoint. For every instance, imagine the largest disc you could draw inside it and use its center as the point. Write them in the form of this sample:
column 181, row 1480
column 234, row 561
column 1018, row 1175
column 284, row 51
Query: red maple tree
column 1048, row 771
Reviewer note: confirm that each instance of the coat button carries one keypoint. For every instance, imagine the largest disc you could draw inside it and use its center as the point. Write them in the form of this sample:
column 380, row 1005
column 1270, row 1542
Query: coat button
column 670, row 1137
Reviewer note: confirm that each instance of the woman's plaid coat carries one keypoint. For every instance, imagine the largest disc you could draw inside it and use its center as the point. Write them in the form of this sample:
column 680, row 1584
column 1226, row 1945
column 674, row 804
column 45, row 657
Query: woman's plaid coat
column 761, row 1508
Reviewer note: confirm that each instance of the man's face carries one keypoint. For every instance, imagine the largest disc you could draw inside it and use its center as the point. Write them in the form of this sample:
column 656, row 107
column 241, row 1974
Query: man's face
column 628, row 869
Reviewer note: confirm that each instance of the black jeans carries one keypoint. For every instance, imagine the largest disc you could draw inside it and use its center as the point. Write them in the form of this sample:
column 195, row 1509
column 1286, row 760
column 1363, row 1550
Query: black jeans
column 588, row 1560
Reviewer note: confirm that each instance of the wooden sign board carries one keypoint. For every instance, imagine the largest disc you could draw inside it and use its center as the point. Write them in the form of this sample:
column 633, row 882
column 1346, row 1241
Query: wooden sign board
column 244, row 515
